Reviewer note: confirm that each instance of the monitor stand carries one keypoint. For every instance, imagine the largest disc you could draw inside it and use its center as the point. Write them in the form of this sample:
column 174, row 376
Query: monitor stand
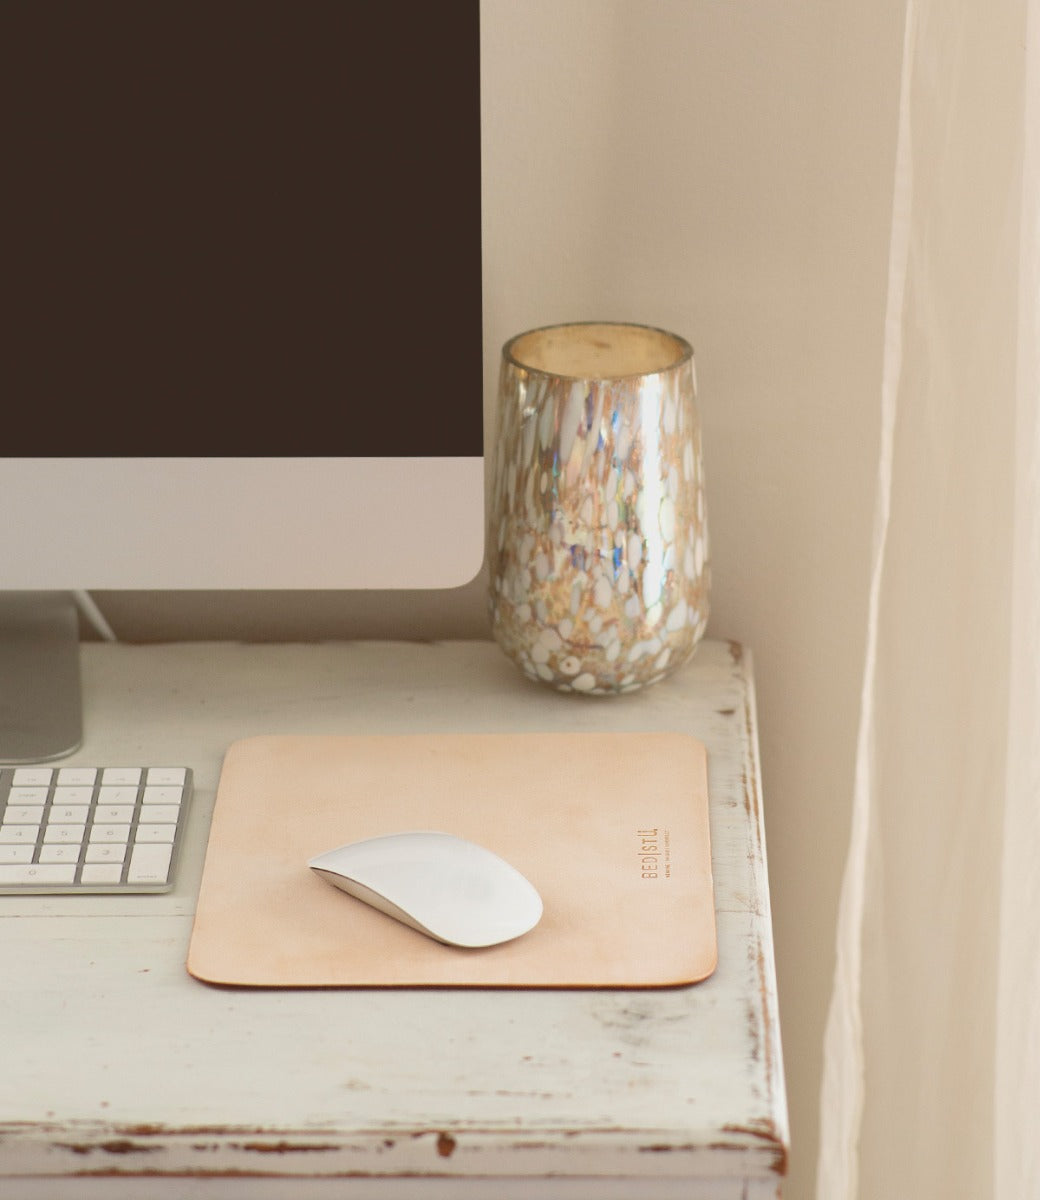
column 40, row 707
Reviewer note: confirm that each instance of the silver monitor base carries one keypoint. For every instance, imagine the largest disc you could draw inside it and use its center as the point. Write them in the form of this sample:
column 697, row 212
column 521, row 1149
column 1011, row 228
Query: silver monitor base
column 40, row 707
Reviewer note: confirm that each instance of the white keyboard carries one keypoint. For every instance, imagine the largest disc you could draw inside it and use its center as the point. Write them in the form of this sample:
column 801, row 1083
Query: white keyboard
column 90, row 829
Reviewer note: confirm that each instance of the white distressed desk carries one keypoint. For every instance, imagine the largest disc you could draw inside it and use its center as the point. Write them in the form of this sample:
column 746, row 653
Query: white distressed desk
column 122, row 1076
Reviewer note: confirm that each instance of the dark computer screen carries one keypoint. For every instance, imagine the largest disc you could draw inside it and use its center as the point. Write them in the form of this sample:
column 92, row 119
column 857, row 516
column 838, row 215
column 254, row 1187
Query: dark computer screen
column 240, row 227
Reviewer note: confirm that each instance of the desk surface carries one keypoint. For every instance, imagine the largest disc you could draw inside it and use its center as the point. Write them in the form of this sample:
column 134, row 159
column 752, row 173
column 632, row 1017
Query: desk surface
column 122, row 1075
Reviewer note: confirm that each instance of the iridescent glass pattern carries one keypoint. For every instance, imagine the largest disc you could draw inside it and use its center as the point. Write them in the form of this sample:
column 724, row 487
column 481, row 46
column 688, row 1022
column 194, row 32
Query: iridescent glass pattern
column 598, row 542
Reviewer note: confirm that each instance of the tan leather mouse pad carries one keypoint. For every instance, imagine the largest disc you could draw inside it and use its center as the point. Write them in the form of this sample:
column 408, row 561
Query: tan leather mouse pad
column 612, row 829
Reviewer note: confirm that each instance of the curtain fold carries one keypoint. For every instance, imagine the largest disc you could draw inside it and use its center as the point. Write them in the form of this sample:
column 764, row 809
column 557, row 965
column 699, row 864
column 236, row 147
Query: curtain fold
column 930, row 1047
column 1017, row 1092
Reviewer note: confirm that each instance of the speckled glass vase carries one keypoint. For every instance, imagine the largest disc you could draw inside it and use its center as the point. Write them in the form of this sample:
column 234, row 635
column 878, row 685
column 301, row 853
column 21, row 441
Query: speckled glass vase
column 598, row 540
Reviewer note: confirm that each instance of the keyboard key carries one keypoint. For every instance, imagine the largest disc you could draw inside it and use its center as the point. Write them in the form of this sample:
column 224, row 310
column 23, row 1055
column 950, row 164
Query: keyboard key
column 27, row 795
column 16, row 854
column 23, row 814
column 121, row 775
column 63, row 833
column 77, row 776
column 117, row 795
column 105, row 852
column 18, row 834
column 41, row 873
column 113, row 814
column 109, row 833
column 167, row 775
column 155, row 833
column 153, row 813
column 60, row 853
column 68, row 814
column 28, row 776
column 149, row 864
column 102, row 873
column 161, row 795
column 73, row 795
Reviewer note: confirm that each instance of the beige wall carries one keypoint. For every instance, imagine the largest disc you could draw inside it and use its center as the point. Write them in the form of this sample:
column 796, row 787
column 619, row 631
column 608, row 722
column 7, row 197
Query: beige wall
column 721, row 169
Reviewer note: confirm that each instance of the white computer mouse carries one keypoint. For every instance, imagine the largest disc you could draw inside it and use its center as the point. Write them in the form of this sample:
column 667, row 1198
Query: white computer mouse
column 446, row 887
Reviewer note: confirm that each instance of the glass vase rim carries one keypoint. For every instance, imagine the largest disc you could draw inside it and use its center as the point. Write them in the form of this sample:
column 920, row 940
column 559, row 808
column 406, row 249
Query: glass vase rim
column 685, row 351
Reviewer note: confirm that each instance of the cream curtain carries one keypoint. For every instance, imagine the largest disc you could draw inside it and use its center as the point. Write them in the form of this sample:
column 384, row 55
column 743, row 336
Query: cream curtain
column 931, row 1082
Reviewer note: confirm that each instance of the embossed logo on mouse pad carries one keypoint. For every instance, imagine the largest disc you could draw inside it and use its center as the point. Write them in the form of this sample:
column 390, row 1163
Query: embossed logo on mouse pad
column 611, row 829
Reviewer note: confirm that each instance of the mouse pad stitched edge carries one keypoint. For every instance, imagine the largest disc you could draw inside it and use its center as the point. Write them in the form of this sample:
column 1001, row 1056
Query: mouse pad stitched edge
column 612, row 829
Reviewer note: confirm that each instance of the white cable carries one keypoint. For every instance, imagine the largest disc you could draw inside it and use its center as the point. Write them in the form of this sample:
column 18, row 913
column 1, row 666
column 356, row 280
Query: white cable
column 94, row 615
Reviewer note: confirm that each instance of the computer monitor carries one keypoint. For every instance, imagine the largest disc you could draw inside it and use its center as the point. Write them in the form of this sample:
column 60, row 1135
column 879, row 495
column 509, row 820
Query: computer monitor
column 242, row 263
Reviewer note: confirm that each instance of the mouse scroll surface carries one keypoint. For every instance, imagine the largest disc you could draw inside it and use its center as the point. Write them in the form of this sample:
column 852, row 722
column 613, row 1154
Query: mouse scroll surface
column 450, row 889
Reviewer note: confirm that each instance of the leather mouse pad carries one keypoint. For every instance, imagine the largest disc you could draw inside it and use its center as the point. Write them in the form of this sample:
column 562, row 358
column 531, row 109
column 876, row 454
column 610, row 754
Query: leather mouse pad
column 612, row 829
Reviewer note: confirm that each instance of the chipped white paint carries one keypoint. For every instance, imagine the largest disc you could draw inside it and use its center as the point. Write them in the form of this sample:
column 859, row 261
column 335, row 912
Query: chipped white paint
column 122, row 1074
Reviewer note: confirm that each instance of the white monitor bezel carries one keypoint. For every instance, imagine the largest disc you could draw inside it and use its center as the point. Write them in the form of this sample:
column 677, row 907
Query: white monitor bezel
column 272, row 523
